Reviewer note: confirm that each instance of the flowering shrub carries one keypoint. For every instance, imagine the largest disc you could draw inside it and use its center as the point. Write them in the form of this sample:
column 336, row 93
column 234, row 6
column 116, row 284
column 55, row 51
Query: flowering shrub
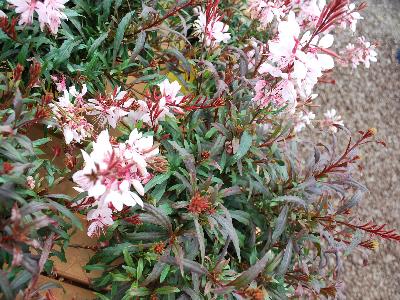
column 182, row 127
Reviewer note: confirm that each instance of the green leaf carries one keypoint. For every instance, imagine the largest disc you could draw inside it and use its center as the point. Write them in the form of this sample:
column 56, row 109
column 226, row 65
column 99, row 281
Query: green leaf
column 140, row 291
column 97, row 42
column 280, row 224
column 251, row 273
column 227, row 226
column 64, row 52
column 66, row 212
column 287, row 256
column 244, row 146
column 156, row 181
column 165, row 290
column 164, row 273
column 138, row 45
column 119, row 36
column 5, row 286
column 200, row 237
column 140, row 267
column 23, row 53
column 127, row 258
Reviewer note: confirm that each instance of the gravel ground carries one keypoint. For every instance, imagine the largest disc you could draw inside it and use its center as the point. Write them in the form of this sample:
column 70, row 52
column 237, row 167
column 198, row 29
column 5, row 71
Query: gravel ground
column 371, row 98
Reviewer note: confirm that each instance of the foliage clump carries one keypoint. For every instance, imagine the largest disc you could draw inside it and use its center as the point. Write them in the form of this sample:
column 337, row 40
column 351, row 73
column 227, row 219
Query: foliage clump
column 180, row 125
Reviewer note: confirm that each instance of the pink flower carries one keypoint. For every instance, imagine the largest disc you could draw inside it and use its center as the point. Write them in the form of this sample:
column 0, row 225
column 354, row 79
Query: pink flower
column 111, row 109
column 69, row 116
column 26, row 8
column 351, row 17
column 332, row 120
column 302, row 120
column 214, row 32
column 100, row 218
column 59, row 81
column 170, row 99
column 266, row 10
column 50, row 14
column 110, row 171
column 361, row 52
column 283, row 93
column 30, row 181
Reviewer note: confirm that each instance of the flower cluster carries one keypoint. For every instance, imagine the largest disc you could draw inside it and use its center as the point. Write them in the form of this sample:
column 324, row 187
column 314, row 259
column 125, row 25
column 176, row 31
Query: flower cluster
column 298, row 56
column 188, row 120
column 208, row 26
column 50, row 12
column 109, row 173
column 68, row 112
column 361, row 52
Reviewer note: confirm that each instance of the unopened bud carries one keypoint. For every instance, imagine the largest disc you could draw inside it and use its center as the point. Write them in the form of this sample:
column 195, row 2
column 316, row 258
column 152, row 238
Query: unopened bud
column 158, row 164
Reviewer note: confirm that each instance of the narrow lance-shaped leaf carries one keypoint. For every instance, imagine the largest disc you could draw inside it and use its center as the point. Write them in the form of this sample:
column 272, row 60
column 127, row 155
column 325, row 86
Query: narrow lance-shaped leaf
column 140, row 41
column 351, row 203
column 287, row 256
column 244, row 146
column 280, row 223
column 97, row 42
column 200, row 237
column 250, row 274
column 190, row 265
column 228, row 228
column 119, row 36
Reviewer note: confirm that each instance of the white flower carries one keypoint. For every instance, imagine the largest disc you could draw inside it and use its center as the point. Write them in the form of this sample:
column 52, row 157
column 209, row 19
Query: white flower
column 26, row 8
column 51, row 13
column 214, row 33
column 303, row 119
column 69, row 116
column 111, row 170
column 266, row 10
column 332, row 120
column 111, row 109
column 100, row 217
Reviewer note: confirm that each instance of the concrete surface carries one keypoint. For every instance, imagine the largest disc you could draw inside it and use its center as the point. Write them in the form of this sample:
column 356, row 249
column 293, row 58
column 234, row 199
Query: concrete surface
column 371, row 98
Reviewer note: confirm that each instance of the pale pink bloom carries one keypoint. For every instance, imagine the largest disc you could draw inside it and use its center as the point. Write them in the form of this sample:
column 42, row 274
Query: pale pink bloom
column 170, row 99
column 110, row 171
column 99, row 218
column 360, row 52
column 141, row 113
column 309, row 11
column 50, row 14
column 59, row 81
column 332, row 120
column 266, row 10
column 351, row 18
column 111, row 109
column 78, row 95
column 214, row 33
column 69, row 119
column 282, row 94
column 25, row 8
column 30, row 182
column 151, row 112
column 285, row 47
column 2, row 14
column 303, row 119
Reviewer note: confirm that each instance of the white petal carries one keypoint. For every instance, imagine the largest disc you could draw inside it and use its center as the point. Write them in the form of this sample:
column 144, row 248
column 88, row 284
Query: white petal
column 137, row 199
column 326, row 41
column 138, row 187
column 326, row 61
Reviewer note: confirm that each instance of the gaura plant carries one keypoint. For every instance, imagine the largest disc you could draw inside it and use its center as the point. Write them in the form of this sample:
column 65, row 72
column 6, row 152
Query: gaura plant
column 183, row 134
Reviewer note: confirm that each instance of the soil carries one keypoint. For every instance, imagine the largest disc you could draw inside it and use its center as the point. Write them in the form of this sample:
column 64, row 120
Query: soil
column 371, row 98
